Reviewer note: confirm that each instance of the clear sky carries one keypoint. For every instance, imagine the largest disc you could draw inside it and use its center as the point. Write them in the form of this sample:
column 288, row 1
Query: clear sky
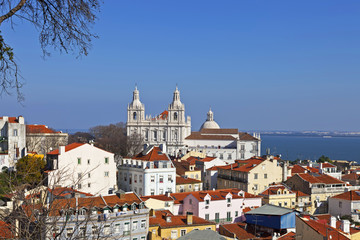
column 260, row 65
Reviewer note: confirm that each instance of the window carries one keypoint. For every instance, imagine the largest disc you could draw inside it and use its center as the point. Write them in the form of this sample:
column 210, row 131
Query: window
column 221, row 156
column 155, row 135
column 182, row 232
column 106, row 160
column 217, row 216
column 242, row 147
column 127, row 228
column 152, row 192
column 79, row 161
column 161, row 178
column 106, row 174
column 236, row 213
column 152, row 178
column 255, row 187
column 190, row 201
column 164, row 135
column 125, row 177
column 293, row 203
column 242, row 155
column 135, row 178
column 89, row 175
column 207, row 201
column 265, row 175
column 175, row 116
column 94, row 230
column 255, row 176
column 189, row 186
column 134, row 225
column 161, row 191
column 15, row 132
column 89, row 185
column 88, row 161
column 140, row 178
column 107, row 230
column 229, row 156
column 79, row 175
column 134, row 115
column 164, row 164
column 69, row 232
column 82, row 232
column 169, row 190
column 280, row 204
column 174, row 234
column 207, row 216
column 79, row 186
column 169, row 178
column 228, row 216
column 285, row 203
column 228, row 200
column 340, row 204
column 143, row 224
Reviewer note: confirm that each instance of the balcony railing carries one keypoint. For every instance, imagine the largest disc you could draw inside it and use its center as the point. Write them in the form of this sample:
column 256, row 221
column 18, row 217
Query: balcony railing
column 223, row 220
column 232, row 178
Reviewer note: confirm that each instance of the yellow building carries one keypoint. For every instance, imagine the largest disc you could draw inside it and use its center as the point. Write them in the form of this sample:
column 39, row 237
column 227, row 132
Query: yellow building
column 279, row 195
column 187, row 169
column 164, row 225
column 184, row 184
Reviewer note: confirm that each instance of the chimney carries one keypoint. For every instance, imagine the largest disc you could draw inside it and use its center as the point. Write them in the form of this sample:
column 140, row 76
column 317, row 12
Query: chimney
column 168, row 218
column 333, row 221
column 152, row 213
column 163, row 147
column 189, row 218
column 61, row 150
column 345, row 226
column 167, row 194
column 21, row 120
column 5, row 118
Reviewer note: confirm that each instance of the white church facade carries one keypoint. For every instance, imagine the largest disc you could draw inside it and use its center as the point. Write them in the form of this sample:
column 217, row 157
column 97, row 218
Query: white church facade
column 173, row 129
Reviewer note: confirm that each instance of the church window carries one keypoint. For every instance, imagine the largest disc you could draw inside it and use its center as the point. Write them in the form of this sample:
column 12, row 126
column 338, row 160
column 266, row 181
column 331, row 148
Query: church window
column 146, row 135
column 175, row 116
column 134, row 115
column 155, row 135
column 164, row 134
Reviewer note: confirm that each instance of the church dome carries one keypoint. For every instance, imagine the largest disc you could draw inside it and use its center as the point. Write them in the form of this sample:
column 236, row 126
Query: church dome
column 210, row 123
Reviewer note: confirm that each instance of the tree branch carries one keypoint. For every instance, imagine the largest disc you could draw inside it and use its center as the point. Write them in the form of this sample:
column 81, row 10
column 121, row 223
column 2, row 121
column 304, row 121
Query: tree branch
column 12, row 11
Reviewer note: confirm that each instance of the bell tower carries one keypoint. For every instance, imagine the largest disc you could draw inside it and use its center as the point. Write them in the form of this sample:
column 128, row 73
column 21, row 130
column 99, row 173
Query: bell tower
column 136, row 109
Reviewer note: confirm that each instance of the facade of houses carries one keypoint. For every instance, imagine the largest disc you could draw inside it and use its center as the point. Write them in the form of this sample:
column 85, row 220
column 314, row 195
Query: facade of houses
column 353, row 178
column 151, row 172
column 279, row 195
column 185, row 184
column 346, row 204
column 171, row 127
column 83, row 167
column 253, row 175
column 41, row 139
column 319, row 186
column 121, row 216
column 12, row 140
column 164, row 225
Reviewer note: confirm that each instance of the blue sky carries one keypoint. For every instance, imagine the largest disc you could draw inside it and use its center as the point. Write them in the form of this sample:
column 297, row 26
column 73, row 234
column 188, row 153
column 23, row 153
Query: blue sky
column 260, row 65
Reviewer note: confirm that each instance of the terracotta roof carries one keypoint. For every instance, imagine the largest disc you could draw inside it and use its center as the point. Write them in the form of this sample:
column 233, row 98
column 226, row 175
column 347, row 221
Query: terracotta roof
column 6, row 231
column 214, row 168
column 182, row 180
column 12, row 119
column 327, row 165
column 158, row 197
column 287, row 236
column 159, row 219
column 324, row 229
column 182, row 167
column 155, row 154
column 91, row 202
column 219, row 194
column 273, row 190
column 219, row 131
column 207, row 159
column 298, row 169
column 353, row 195
column 164, row 115
column 238, row 229
column 326, row 218
column 67, row 148
column 199, row 136
column 301, row 194
column 245, row 165
column 247, row 137
column 351, row 177
column 39, row 129
column 319, row 178
column 64, row 191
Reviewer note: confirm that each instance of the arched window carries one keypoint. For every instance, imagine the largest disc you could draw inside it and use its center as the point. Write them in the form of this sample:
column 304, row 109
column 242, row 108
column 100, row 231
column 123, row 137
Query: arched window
column 134, row 115
column 175, row 116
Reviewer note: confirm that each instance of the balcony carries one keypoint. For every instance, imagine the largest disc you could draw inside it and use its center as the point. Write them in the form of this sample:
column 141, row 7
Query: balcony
column 232, row 178
column 223, row 220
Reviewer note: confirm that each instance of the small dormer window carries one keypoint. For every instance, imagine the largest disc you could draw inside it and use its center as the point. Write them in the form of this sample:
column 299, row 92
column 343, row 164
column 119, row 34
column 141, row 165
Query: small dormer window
column 207, row 201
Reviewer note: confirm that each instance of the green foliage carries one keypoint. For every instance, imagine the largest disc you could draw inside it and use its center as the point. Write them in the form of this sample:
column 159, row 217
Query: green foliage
column 30, row 169
column 323, row 159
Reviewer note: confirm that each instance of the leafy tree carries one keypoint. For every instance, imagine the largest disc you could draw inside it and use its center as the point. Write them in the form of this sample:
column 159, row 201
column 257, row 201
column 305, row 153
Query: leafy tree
column 30, row 169
column 64, row 25
column 323, row 159
column 82, row 137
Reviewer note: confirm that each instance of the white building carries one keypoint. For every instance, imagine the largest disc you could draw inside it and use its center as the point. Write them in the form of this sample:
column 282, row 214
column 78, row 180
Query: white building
column 346, row 204
column 12, row 140
column 83, row 167
column 224, row 143
column 151, row 172
column 170, row 127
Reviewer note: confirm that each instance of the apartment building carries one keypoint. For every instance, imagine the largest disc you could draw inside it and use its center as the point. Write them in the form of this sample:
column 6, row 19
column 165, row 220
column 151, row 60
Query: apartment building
column 253, row 175
column 151, row 172
column 83, row 167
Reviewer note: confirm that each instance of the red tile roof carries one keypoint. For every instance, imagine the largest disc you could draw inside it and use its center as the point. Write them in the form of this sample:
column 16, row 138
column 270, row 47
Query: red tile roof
column 214, row 168
column 245, row 165
column 155, row 154
column 158, row 197
column 207, row 159
column 164, row 115
column 237, row 230
column 39, row 129
column 6, row 231
column 182, row 180
column 319, row 178
column 324, row 229
column 67, row 148
column 12, row 119
column 353, row 195
column 246, row 137
column 328, row 165
column 219, row 194
column 159, row 219
column 64, row 191
column 273, row 190
column 199, row 136
column 301, row 194
column 219, row 131
column 288, row 236
column 182, row 167
column 351, row 177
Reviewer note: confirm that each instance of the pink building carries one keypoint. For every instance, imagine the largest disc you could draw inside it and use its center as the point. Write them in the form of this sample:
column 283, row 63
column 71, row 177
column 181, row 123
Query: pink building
column 221, row 206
